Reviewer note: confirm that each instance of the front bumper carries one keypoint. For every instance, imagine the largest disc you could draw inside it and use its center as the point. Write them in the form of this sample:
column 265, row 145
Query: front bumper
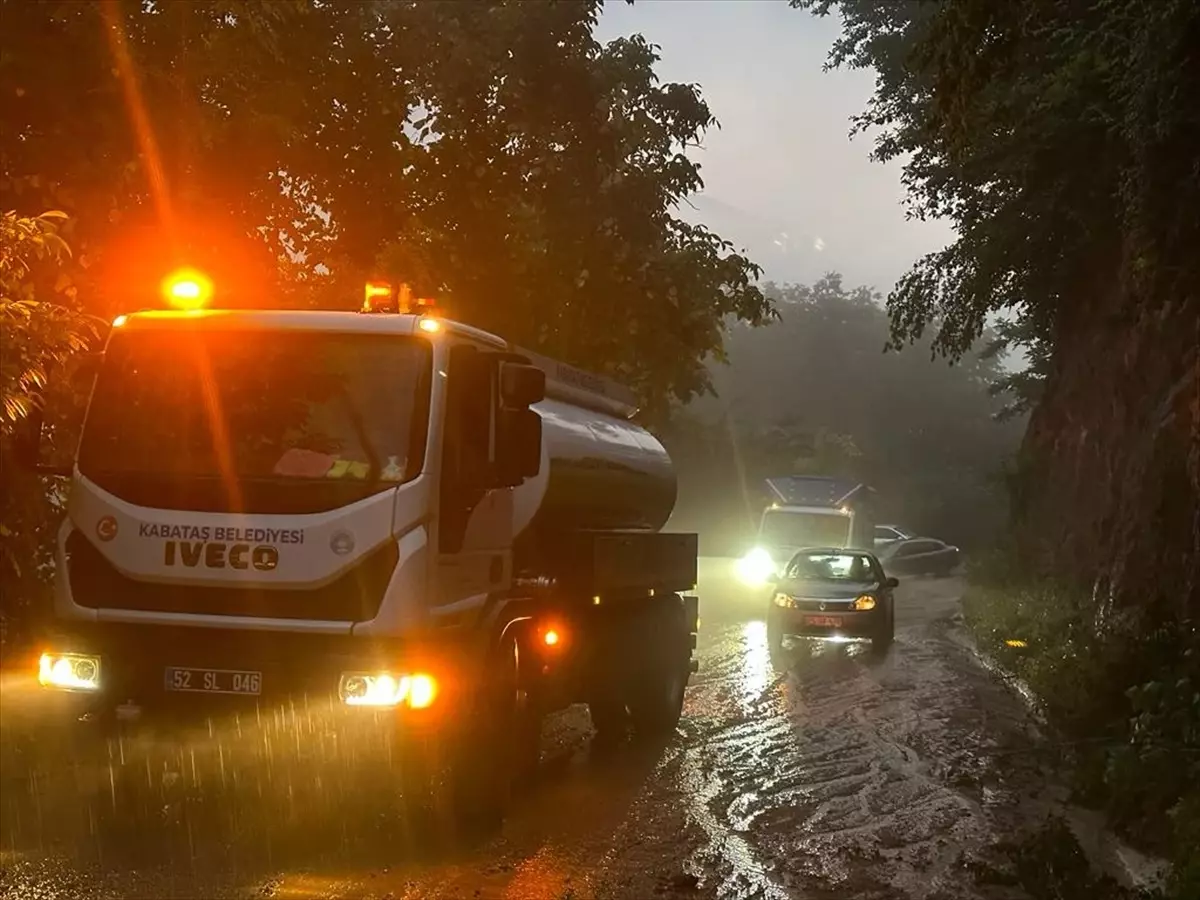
column 136, row 665
column 828, row 624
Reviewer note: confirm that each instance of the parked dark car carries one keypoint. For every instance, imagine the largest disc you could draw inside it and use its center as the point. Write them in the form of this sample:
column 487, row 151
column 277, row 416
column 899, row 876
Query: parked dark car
column 920, row 556
column 832, row 592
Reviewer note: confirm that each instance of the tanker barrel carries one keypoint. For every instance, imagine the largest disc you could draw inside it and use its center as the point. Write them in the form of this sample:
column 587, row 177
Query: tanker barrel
column 599, row 473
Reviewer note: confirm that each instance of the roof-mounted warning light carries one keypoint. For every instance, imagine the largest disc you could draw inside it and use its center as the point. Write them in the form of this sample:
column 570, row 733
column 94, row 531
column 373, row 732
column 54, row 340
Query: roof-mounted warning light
column 187, row 289
column 380, row 297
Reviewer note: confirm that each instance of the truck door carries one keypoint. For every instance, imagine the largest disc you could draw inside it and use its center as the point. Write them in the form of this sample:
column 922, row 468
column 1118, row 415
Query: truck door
column 474, row 533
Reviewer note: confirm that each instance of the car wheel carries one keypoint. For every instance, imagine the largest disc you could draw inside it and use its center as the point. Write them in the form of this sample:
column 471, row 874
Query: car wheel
column 886, row 630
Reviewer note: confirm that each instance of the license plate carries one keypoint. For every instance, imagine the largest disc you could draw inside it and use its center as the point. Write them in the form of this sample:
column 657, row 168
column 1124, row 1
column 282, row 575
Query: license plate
column 213, row 681
column 824, row 621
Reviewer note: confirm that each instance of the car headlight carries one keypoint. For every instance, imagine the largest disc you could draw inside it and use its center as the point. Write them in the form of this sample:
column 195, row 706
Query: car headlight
column 864, row 602
column 756, row 567
column 785, row 600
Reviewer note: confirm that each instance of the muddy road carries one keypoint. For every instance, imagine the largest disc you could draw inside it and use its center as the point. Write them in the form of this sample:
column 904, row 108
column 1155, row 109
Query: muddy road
column 827, row 773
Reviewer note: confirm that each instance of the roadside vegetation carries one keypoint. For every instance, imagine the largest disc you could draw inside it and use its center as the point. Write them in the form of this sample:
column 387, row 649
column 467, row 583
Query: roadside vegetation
column 1122, row 696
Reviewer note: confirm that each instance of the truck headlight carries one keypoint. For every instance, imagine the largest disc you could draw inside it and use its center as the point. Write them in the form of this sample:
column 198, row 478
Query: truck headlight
column 381, row 689
column 756, row 567
column 69, row 671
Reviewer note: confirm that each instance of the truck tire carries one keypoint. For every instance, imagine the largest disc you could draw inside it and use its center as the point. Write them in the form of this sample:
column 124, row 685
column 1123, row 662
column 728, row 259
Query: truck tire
column 496, row 752
column 610, row 718
column 656, row 690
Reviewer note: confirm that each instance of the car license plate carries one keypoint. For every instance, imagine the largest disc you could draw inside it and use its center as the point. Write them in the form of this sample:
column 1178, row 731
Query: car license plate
column 213, row 681
column 824, row 621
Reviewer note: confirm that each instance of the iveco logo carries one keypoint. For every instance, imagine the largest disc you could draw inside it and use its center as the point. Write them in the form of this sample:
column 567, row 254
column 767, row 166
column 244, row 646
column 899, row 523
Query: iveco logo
column 213, row 555
column 341, row 543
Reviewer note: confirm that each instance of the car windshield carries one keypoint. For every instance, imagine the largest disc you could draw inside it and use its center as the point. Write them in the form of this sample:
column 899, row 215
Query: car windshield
column 820, row 566
column 786, row 528
column 243, row 405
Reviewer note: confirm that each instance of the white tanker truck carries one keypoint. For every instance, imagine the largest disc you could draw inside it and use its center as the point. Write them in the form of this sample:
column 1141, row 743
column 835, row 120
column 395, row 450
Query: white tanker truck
column 398, row 511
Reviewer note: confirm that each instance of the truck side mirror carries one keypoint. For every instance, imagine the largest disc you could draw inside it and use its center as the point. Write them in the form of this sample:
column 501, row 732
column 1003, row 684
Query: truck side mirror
column 521, row 385
column 518, row 446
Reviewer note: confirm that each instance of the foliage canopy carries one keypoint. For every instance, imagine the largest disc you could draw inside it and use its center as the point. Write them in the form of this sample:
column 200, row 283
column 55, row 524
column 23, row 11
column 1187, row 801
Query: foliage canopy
column 493, row 152
column 1053, row 136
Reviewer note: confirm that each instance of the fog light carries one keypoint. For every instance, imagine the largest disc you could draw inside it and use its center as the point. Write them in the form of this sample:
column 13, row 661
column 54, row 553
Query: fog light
column 382, row 689
column 864, row 602
column 69, row 671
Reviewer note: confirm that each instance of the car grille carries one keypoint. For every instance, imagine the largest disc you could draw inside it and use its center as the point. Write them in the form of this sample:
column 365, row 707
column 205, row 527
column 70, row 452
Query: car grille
column 808, row 603
column 354, row 597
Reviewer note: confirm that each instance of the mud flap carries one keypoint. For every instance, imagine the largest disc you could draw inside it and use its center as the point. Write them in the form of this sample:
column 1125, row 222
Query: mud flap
column 691, row 619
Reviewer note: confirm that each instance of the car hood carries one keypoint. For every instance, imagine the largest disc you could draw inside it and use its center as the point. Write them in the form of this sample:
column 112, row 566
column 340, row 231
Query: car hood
column 824, row 590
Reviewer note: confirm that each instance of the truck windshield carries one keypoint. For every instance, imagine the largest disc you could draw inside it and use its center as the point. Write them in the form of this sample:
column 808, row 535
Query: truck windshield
column 237, row 406
column 787, row 528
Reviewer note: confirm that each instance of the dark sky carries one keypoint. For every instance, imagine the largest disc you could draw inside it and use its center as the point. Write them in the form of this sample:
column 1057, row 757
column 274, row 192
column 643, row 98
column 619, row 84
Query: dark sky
column 783, row 179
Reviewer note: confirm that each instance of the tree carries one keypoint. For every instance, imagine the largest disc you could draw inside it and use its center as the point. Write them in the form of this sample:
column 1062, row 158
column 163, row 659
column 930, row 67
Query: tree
column 1060, row 141
column 493, row 152
column 37, row 334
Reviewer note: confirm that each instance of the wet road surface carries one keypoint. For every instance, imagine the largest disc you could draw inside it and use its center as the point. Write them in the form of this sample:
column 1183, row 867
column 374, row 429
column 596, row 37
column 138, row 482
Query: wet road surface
column 831, row 772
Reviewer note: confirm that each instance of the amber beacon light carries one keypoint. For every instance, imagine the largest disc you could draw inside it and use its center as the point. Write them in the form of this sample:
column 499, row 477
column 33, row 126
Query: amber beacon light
column 187, row 289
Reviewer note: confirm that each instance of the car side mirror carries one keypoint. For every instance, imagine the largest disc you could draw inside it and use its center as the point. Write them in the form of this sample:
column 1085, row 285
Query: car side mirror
column 521, row 385
column 893, row 582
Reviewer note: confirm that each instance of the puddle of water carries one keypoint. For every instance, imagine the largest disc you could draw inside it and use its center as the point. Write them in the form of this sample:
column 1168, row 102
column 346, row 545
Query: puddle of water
column 756, row 672
column 748, row 877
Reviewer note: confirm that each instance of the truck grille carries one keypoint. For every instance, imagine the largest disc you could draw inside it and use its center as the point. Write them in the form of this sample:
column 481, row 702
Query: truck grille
column 353, row 597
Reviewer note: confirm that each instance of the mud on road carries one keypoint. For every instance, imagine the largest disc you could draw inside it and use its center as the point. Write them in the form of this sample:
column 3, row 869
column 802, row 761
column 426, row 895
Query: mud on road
column 830, row 772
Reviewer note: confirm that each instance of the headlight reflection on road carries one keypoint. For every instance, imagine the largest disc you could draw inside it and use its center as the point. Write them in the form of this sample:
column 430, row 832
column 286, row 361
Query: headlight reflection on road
column 757, row 672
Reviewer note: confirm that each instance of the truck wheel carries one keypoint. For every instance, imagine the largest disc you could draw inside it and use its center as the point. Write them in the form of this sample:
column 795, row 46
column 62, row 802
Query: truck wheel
column 656, row 692
column 609, row 717
column 496, row 752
